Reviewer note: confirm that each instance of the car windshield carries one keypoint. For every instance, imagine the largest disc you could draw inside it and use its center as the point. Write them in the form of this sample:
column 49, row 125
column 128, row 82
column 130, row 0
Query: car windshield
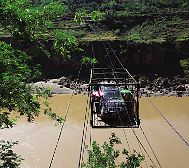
column 113, row 95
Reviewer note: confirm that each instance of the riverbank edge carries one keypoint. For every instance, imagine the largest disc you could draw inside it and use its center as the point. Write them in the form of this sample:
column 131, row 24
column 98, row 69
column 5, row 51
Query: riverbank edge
column 64, row 85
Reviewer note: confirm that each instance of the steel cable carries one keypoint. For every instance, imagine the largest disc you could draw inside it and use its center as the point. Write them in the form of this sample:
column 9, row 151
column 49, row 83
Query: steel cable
column 152, row 104
column 168, row 123
column 90, row 139
column 127, row 111
column 61, row 131
column 113, row 69
column 119, row 115
column 65, row 117
column 82, row 143
column 83, row 135
column 139, row 142
column 88, row 123
column 101, row 61
column 150, row 146
column 145, row 137
column 120, row 62
column 84, row 132
column 134, row 81
column 156, row 109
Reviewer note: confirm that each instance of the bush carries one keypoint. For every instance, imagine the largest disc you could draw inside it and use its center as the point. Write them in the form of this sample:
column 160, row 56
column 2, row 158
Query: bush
column 8, row 157
column 107, row 158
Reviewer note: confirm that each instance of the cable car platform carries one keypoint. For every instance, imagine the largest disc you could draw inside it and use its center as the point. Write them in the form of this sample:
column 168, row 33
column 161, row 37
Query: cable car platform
column 114, row 99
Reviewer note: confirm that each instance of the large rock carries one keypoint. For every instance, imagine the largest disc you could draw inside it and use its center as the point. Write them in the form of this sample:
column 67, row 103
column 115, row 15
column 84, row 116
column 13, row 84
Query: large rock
column 55, row 88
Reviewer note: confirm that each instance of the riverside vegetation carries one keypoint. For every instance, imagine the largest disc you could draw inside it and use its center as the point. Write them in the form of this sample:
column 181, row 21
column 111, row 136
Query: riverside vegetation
column 107, row 157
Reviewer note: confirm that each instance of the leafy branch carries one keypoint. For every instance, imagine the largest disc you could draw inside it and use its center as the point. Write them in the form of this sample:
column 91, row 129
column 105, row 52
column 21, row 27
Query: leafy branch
column 8, row 157
column 18, row 96
column 106, row 158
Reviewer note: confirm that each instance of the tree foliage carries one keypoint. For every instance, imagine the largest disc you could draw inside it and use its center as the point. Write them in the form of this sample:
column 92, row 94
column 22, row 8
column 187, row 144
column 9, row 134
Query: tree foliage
column 8, row 157
column 17, row 96
column 30, row 24
column 107, row 157
column 33, row 25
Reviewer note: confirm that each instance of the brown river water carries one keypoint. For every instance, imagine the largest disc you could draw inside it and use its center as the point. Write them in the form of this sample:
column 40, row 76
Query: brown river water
column 37, row 140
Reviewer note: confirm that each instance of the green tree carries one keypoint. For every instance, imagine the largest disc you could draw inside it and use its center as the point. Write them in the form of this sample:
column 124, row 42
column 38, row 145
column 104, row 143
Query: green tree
column 28, row 25
column 18, row 97
column 33, row 25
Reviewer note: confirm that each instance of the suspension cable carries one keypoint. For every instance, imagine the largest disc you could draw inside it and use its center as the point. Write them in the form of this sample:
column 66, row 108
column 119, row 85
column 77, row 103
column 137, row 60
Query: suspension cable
column 65, row 116
column 119, row 115
column 127, row 111
column 84, row 134
column 168, row 123
column 90, row 138
column 61, row 130
column 85, row 129
column 130, row 119
column 151, row 102
column 139, row 142
column 125, row 69
column 144, row 149
column 127, row 143
column 150, row 146
column 156, row 109
column 120, row 62
column 88, row 123
column 82, row 140
column 113, row 69
column 63, row 123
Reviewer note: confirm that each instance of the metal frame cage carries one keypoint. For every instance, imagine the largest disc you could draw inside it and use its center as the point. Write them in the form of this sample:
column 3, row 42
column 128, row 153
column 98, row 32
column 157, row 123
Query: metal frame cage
column 128, row 116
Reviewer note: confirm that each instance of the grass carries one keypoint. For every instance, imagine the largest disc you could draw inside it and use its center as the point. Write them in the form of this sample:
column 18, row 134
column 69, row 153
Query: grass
column 94, row 37
column 164, row 25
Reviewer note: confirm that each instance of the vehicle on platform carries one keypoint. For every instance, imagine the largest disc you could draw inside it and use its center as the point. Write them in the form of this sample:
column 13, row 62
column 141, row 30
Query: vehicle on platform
column 112, row 104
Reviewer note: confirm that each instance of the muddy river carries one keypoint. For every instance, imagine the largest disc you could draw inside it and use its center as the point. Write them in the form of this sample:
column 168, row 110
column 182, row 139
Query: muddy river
column 37, row 140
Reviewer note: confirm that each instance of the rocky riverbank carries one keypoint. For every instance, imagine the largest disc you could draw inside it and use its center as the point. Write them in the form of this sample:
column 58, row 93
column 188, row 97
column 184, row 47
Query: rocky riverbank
column 64, row 85
column 149, row 88
column 159, row 86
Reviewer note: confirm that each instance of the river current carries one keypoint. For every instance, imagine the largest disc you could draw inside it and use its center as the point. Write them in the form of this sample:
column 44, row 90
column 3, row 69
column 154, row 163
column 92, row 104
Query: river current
column 37, row 140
